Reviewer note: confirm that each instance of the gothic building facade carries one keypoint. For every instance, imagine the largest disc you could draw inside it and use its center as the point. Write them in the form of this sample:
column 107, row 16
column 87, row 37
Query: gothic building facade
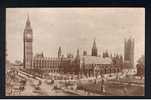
column 50, row 64
column 89, row 65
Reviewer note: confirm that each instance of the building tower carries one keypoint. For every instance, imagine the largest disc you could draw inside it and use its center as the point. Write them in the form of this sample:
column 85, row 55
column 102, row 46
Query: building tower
column 77, row 62
column 129, row 52
column 59, row 52
column 78, row 54
column 28, row 39
column 94, row 49
column 77, row 58
column 105, row 54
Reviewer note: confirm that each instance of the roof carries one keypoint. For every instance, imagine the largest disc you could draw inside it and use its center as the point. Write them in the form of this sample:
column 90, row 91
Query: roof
column 95, row 60
column 51, row 58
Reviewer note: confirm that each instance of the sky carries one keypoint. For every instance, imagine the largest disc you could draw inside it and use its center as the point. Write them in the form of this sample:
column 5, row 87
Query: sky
column 75, row 28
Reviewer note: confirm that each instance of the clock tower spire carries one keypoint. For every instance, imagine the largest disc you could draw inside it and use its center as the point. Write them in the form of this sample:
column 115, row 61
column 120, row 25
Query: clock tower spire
column 28, row 38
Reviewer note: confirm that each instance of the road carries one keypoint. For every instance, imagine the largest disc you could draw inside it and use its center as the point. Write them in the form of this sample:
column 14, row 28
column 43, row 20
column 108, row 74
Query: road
column 45, row 90
column 114, row 88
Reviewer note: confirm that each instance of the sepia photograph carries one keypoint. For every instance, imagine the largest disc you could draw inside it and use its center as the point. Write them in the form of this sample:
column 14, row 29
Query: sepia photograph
column 75, row 51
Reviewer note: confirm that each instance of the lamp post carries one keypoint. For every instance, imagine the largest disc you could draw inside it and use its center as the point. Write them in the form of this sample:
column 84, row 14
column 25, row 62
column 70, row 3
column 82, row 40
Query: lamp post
column 102, row 84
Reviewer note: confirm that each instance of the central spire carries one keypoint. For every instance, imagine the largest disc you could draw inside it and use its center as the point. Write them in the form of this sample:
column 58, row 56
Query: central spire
column 94, row 49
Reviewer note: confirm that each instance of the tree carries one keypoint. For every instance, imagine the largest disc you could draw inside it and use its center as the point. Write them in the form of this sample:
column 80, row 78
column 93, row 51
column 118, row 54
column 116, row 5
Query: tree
column 141, row 60
column 140, row 66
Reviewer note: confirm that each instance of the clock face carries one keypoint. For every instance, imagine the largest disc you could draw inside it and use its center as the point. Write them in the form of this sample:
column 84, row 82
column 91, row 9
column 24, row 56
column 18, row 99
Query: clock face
column 29, row 36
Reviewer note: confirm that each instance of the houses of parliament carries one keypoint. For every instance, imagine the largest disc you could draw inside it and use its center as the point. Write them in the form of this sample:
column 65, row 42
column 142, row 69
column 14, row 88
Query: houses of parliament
column 86, row 64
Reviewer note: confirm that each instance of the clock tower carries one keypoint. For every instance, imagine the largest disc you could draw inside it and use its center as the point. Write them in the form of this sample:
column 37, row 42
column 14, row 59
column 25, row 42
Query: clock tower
column 28, row 38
